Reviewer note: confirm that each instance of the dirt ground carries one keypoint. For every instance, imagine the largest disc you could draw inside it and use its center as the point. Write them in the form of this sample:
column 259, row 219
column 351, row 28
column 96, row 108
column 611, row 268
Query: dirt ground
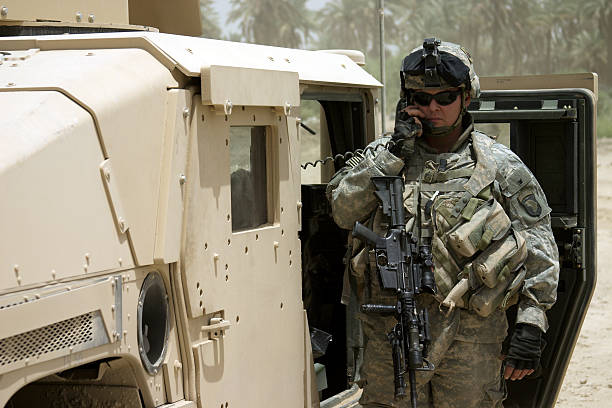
column 588, row 381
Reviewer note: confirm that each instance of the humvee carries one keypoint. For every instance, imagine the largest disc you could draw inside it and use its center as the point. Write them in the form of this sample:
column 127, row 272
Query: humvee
column 162, row 245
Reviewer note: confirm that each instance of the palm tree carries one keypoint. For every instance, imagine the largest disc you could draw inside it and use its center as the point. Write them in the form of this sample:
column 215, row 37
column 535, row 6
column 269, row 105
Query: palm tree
column 272, row 22
column 599, row 14
column 210, row 27
column 351, row 24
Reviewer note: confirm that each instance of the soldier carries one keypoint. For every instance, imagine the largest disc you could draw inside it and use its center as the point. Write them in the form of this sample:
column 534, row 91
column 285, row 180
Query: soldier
column 487, row 221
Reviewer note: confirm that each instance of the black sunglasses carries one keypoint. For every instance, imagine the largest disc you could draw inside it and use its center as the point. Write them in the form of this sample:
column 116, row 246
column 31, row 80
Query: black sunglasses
column 443, row 98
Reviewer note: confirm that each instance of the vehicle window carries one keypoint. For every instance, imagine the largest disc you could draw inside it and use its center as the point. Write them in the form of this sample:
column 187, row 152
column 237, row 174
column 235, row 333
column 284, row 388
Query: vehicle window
column 330, row 125
column 314, row 141
column 249, row 191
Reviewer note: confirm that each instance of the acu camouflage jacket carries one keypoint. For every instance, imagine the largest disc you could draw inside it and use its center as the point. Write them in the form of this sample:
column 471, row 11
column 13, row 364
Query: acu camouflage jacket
column 514, row 187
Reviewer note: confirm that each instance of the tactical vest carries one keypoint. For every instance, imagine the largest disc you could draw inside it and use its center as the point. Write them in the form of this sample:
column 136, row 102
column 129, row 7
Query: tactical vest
column 453, row 204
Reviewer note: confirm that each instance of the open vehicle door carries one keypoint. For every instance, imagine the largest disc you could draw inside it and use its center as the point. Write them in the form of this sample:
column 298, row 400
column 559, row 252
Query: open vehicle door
column 549, row 122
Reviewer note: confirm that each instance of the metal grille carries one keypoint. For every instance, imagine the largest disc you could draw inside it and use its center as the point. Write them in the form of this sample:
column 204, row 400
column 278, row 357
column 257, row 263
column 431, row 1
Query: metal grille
column 57, row 336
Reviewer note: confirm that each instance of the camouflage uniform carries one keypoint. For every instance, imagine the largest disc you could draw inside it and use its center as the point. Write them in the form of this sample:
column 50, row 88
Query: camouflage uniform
column 466, row 347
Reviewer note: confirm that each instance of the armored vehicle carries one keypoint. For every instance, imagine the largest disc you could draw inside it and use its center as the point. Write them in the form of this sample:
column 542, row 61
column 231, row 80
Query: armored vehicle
column 161, row 244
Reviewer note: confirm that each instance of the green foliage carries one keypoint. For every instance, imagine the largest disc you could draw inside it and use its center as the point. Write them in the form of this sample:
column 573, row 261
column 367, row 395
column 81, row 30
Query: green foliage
column 272, row 22
column 210, row 27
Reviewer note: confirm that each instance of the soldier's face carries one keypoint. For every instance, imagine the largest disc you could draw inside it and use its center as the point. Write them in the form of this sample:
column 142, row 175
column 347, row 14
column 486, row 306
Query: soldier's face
column 440, row 112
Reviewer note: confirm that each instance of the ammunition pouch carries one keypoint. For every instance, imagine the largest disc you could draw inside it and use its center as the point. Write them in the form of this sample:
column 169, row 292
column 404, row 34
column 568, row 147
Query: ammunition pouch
column 478, row 256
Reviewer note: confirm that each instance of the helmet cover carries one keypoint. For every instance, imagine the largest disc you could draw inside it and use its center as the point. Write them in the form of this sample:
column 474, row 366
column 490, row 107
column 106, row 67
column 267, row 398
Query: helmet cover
column 437, row 64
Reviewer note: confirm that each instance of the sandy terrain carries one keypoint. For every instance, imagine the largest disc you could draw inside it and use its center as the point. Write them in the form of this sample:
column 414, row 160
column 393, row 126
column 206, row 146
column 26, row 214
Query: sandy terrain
column 588, row 381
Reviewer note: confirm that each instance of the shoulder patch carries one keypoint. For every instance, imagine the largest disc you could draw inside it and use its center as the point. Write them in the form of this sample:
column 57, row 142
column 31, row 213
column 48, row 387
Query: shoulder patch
column 531, row 205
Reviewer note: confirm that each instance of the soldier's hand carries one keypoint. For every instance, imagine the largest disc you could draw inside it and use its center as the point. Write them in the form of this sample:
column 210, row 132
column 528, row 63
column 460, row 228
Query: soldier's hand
column 511, row 373
column 413, row 111
column 524, row 352
column 408, row 123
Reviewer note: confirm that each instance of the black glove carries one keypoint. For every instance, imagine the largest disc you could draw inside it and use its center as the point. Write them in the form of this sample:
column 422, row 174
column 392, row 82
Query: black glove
column 525, row 347
column 404, row 132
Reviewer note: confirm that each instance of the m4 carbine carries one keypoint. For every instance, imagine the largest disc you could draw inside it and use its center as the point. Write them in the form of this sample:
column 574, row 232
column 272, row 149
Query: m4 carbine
column 405, row 268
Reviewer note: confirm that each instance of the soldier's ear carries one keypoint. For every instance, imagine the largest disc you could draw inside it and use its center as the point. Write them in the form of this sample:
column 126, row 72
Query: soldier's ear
column 467, row 100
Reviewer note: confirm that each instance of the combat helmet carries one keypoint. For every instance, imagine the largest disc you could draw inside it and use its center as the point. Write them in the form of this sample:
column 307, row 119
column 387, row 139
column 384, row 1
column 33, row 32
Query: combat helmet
column 438, row 64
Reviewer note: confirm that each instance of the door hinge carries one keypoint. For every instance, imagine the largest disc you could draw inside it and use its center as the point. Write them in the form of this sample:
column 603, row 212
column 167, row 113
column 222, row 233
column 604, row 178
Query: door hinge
column 575, row 250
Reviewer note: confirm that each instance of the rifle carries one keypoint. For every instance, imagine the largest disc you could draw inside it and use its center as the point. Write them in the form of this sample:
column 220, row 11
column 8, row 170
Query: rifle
column 406, row 268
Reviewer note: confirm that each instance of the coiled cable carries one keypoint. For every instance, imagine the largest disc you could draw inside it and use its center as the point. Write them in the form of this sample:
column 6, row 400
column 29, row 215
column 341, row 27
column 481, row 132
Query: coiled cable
column 360, row 153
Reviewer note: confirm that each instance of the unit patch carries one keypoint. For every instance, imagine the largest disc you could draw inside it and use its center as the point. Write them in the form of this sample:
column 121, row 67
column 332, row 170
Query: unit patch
column 531, row 205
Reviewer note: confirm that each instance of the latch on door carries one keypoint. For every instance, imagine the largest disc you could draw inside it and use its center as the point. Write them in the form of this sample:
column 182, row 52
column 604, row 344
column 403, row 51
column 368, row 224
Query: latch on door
column 216, row 327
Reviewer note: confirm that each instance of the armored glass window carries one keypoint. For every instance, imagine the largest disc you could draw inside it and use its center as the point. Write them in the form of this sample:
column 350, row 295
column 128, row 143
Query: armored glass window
column 314, row 144
column 331, row 124
column 249, row 192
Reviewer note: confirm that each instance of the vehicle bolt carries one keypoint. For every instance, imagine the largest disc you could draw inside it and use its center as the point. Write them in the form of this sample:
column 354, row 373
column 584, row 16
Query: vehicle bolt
column 107, row 174
column 182, row 179
column 4, row 11
column 79, row 16
column 185, row 112
column 10, row 84
column 91, row 18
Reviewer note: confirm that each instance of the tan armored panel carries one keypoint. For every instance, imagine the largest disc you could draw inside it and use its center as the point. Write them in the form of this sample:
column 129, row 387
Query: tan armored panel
column 175, row 16
column 130, row 148
column 75, row 11
column 587, row 80
column 249, row 278
column 60, row 220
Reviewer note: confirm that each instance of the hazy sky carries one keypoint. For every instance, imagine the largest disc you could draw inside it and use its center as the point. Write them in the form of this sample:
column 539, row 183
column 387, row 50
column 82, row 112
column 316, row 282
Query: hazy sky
column 223, row 7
